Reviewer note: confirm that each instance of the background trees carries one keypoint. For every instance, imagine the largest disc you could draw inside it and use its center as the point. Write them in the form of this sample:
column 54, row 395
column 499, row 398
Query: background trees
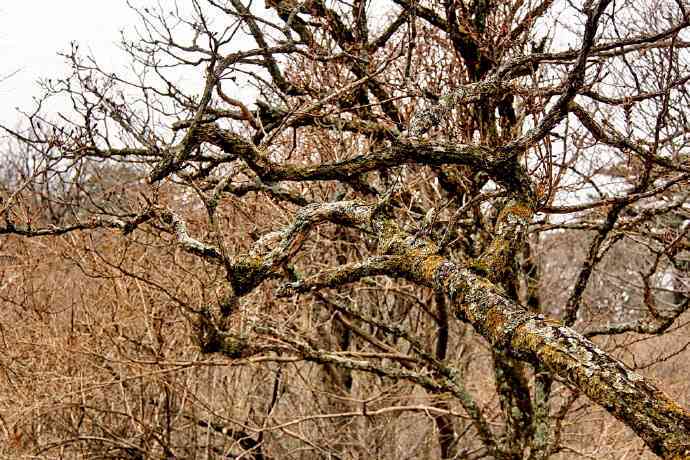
column 331, row 229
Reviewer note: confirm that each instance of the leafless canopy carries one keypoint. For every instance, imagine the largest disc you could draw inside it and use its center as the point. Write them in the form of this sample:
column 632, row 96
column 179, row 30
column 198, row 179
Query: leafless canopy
column 333, row 229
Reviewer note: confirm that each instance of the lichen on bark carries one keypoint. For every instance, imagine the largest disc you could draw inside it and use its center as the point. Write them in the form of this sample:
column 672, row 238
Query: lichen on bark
column 525, row 335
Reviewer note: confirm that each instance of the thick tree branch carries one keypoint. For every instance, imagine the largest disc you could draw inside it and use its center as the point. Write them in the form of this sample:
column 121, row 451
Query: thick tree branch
column 659, row 421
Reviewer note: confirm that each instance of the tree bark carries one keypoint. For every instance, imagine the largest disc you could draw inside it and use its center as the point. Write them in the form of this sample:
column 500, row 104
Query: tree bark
column 658, row 420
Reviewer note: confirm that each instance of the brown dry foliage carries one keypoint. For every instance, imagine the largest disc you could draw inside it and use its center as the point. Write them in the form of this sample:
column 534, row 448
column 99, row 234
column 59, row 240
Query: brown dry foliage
column 102, row 348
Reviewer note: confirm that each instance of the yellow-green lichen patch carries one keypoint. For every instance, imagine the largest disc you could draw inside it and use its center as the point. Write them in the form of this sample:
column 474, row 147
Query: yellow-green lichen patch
column 559, row 350
column 517, row 209
column 430, row 266
column 234, row 347
column 480, row 267
column 624, row 394
column 495, row 322
column 391, row 239
column 668, row 405
column 246, row 273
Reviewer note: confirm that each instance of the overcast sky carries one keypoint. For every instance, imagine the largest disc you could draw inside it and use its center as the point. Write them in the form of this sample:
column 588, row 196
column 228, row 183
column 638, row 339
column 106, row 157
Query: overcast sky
column 33, row 31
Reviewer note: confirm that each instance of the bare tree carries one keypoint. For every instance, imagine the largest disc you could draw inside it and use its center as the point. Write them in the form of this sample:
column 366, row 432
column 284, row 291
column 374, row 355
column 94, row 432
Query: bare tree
column 421, row 229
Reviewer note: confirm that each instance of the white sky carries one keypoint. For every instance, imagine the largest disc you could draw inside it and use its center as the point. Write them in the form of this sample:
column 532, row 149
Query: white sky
column 33, row 31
